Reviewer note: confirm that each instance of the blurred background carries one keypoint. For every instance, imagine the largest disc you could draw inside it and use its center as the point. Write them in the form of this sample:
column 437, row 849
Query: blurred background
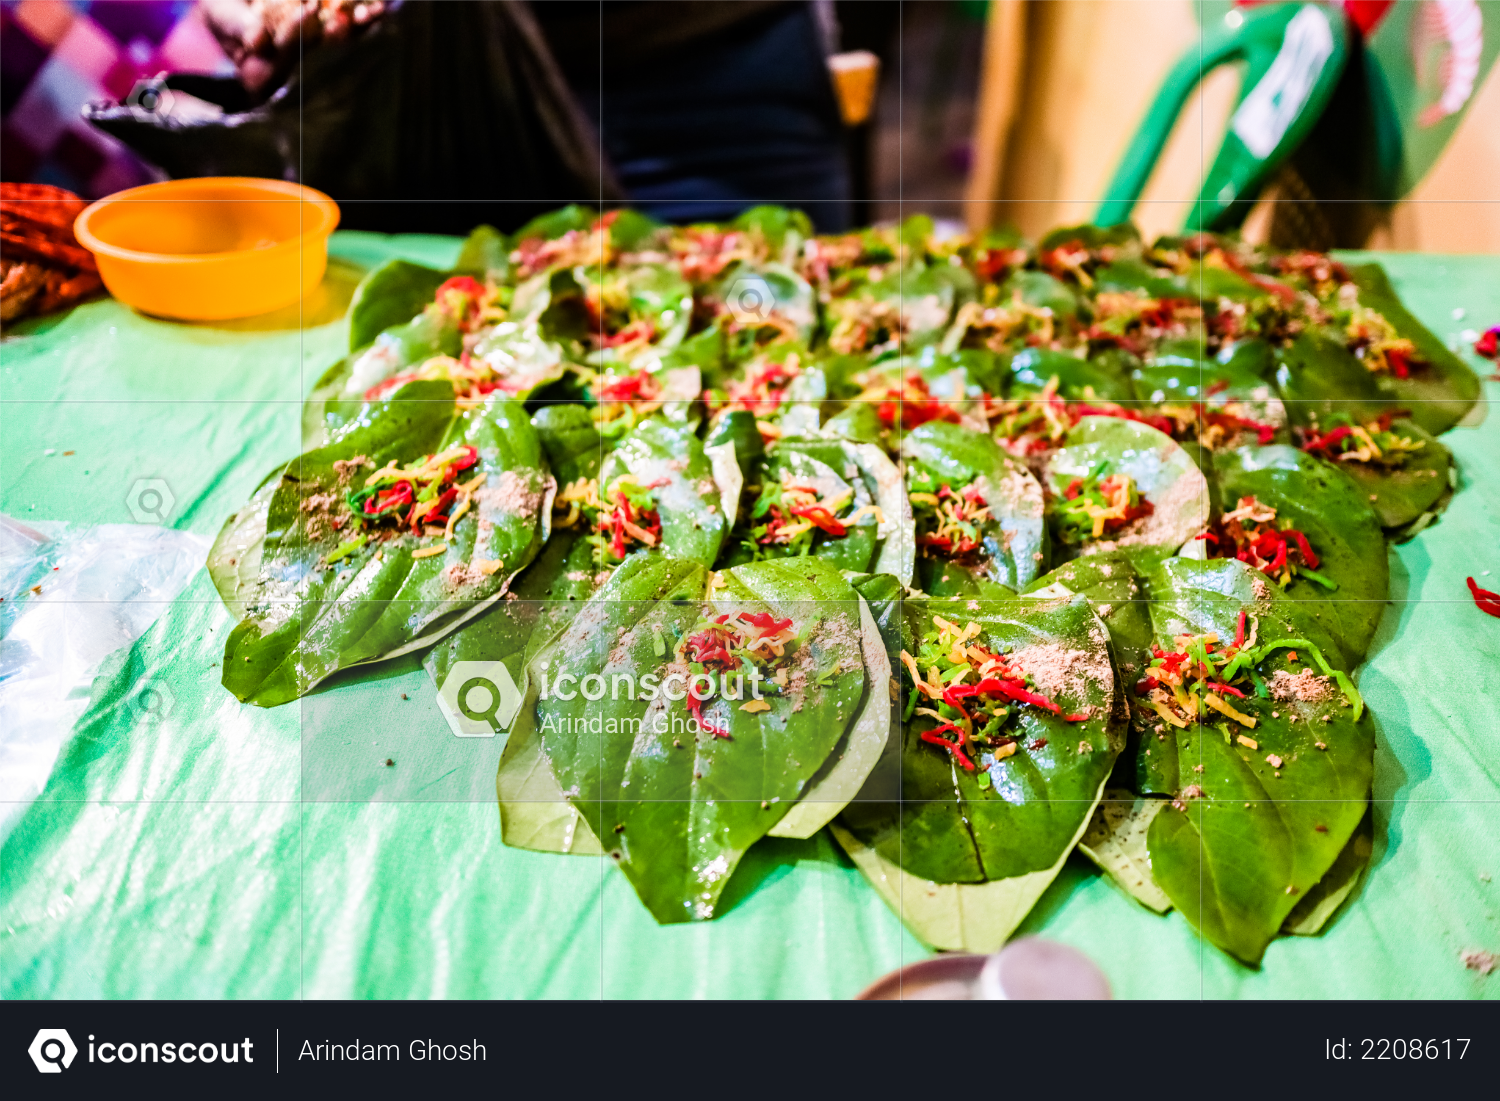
column 1008, row 112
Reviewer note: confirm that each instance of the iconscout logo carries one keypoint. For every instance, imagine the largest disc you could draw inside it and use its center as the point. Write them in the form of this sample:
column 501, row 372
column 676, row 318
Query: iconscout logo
column 52, row 1050
column 479, row 699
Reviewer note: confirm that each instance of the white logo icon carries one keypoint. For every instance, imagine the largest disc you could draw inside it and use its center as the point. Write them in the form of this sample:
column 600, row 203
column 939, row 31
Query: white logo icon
column 52, row 1050
column 479, row 698
column 150, row 501
column 750, row 299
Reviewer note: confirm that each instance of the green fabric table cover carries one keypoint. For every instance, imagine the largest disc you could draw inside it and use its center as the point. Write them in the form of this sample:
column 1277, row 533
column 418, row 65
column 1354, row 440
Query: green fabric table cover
column 224, row 851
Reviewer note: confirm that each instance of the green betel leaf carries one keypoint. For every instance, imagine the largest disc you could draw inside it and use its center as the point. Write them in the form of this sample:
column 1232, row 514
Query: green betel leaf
column 642, row 313
column 991, row 514
column 535, row 815
column 1334, row 513
column 1402, row 490
column 905, row 308
column 485, row 254
column 839, row 501
column 1441, row 389
column 1317, row 375
column 1273, row 792
column 632, row 231
column 1318, row 905
column 1000, row 832
column 689, row 484
column 330, row 596
column 1239, row 405
column 563, row 575
column 678, row 779
column 1110, row 583
column 1037, row 288
column 234, row 559
column 1164, row 498
column 848, row 768
column 1121, row 599
column 339, row 395
column 390, row 296
column 1116, row 841
column 695, row 511
column 780, row 390
column 555, row 223
column 1032, row 369
column 520, row 358
column 781, row 228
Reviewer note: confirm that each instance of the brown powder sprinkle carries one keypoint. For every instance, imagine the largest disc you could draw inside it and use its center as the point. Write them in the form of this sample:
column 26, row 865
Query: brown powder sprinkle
column 1059, row 671
column 344, row 469
column 512, row 493
column 1306, row 686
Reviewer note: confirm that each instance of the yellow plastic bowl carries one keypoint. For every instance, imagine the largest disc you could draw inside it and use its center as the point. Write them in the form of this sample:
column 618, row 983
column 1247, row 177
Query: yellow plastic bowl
column 210, row 249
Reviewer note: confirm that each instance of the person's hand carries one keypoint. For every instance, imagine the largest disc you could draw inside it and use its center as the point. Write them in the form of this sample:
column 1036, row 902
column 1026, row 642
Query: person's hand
column 262, row 37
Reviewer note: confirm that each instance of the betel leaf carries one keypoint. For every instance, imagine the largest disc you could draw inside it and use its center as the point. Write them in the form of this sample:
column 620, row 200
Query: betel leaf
column 925, row 299
column 563, row 575
column 699, row 486
column 874, row 511
column 998, row 834
column 737, row 427
column 1174, row 378
column 1032, row 369
column 652, row 296
column 1319, row 905
column 1037, row 288
column 1189, row 596
column 1164, row 475
column 306, row 619
column 857, row 422
column 1317, row 375
column 951, row 917
column 783, row 229
column 675, row 803
column 862, row 747
column 1121, row 599
column 1110, row 583
column 1400, row 494
column 1012, row 544
column 555, row 223
column 1268, row 809
column 632, row 231
column 1116, row 841
column 485, row 254
column 234, row 559
column 696, row 513
column 388, row 296
column 1441, row 389
column 520, row 357
column 338, row 397
column 535, row 815
column 1333, row 511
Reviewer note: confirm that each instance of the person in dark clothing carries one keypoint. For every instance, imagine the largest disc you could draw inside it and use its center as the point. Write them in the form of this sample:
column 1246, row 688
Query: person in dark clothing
column 706, row 107
column 700, row 108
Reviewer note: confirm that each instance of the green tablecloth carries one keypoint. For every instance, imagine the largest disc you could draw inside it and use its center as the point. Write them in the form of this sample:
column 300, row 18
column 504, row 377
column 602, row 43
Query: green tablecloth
column 227, row 851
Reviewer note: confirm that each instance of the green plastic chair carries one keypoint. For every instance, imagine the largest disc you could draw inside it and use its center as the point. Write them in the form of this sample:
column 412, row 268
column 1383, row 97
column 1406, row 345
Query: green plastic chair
column 1294, row 56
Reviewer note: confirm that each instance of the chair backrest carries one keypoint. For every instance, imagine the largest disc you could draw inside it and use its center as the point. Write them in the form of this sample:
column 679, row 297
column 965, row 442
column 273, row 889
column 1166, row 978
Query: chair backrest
column 1294, row 55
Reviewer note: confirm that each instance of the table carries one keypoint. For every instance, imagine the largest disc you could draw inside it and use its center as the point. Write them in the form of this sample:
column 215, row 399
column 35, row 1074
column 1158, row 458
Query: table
column 225, row 851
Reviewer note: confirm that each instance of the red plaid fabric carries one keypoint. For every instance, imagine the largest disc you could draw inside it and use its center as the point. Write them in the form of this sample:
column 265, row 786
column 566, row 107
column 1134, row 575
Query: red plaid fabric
column 57, row 55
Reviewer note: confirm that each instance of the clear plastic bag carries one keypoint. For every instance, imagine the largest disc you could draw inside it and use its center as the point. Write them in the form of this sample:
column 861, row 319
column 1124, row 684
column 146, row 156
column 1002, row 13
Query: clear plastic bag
column 72, row 595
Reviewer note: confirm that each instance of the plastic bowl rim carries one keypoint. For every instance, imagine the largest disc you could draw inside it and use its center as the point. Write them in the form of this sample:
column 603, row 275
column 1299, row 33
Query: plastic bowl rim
column 294, row 192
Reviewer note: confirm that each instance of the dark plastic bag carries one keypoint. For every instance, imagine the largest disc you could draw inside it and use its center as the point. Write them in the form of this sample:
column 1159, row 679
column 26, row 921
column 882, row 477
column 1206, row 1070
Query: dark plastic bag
column 459, row 104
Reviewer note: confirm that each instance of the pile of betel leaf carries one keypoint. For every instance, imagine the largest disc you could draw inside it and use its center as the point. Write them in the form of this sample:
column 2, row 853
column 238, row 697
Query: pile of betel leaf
column 970, row 549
